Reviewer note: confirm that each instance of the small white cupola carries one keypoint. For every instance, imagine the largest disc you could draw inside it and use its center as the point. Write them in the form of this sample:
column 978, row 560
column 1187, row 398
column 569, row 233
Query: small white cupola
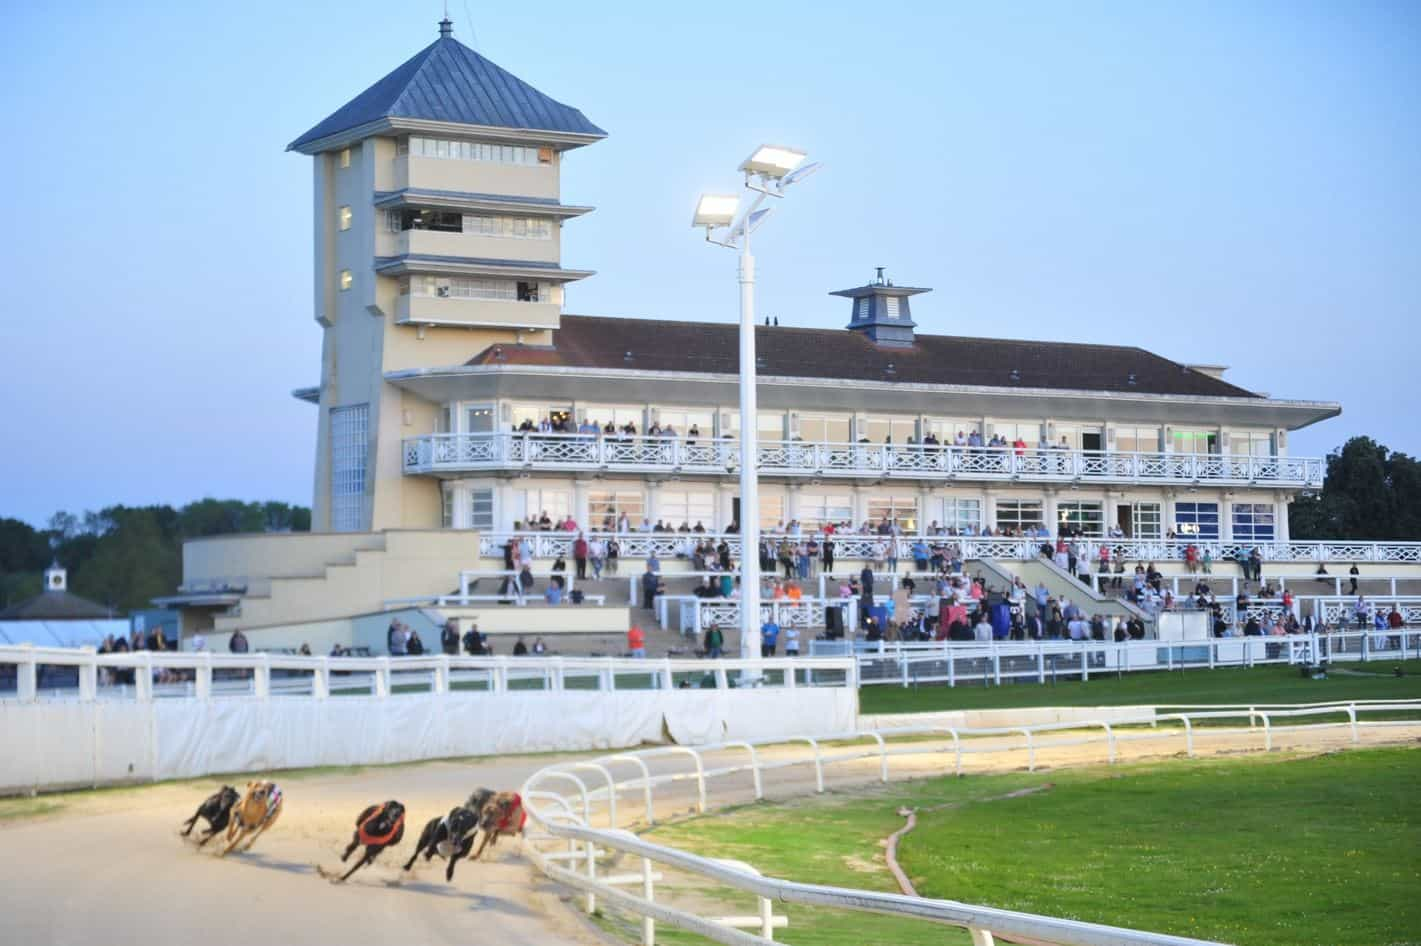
column 56, row 578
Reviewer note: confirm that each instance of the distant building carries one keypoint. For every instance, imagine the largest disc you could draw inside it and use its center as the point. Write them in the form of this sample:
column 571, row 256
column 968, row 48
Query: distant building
column 56, row 617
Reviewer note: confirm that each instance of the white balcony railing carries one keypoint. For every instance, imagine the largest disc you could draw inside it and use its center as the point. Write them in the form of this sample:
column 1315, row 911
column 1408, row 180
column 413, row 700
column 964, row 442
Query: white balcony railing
column 857, row 547
column 436, row 453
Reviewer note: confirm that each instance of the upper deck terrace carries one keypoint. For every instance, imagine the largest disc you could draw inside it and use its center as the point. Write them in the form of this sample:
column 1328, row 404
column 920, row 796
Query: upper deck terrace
column 458, row 454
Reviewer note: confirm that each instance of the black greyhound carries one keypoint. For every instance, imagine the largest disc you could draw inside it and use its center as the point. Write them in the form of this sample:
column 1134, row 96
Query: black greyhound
column 378, row 827
column 452, row 836
column 216, row 811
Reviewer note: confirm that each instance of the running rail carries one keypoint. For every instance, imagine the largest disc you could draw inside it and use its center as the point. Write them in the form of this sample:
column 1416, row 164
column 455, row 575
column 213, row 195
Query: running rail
column 577, row 866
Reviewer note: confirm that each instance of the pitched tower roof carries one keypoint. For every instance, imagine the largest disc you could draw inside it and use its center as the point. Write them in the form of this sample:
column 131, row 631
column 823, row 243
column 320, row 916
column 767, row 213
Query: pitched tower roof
column 449, row 82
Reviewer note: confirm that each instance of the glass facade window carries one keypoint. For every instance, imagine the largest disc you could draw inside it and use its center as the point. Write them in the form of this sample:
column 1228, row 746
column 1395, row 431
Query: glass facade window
column 880, row 429
column 682, row 419
column 446, row 506
column 961, row 514
column 537, row 413
column 1253, row 522
column 677, row 507
column 349, row 443
column 900, row 509
column 458, row 150
column 824, row 428
column 478, row 418
column 1194, row 441
column 509, row 228
column 1146, row 521
column 1137, row 439
column 1029, row 432
column 1197, row 521
column 461, row 287
column 530, row 504
column 817, row 510
column 619, row 415
column 481, row 509
column 1251, row 444
column 1019, row 514
column 1086, row 518
column 946, row 429
column 770, row 426
column 604, row 507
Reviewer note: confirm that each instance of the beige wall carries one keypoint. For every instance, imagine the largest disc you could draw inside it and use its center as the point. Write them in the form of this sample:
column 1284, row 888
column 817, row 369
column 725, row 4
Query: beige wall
column 480, row 312
column 478, row 177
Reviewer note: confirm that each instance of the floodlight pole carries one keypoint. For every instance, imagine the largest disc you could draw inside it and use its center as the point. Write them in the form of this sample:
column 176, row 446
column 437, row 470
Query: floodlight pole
column 749, row 457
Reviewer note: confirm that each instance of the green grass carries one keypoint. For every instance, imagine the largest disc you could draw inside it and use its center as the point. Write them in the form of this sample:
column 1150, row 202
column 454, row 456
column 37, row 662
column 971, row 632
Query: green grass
column 1266, row 850
column 1271, row 684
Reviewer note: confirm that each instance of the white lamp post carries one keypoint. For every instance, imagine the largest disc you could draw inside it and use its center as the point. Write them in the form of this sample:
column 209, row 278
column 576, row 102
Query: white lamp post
column 768, row 172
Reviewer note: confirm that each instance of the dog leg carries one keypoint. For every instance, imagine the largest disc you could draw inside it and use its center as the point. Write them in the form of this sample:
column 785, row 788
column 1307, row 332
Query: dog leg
column 483, row 842
column 367, row 859
column 410, row 863
column 231, row 843
column 189, row 825
column 354, row 843
column 207, row 837
column 453, row 859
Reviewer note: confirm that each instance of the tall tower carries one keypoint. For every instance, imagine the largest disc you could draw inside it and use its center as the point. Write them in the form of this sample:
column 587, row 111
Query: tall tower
column 438, row 219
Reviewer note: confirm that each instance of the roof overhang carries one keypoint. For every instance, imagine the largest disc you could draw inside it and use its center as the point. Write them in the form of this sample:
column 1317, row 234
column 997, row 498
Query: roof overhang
column 311, row 395
column 199, row 600
column 391, row 126
column 460, row 265
column 606, row 385
column 492, row 203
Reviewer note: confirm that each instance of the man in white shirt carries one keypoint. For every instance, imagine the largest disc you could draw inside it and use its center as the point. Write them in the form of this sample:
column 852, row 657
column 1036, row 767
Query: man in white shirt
column 982, row 631
column 791, row 641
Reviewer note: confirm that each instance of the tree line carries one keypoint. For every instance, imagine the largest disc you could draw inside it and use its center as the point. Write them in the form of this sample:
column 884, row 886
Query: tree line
column 1369, row 492
column 124, row 556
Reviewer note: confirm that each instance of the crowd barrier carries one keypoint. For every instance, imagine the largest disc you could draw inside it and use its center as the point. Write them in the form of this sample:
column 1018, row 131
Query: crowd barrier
column 993, row 662
column 261, row 712
column 576, row 825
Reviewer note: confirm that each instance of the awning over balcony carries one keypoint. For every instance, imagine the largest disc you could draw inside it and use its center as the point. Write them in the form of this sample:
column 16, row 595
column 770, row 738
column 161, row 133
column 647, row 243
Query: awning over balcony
column 474, row 266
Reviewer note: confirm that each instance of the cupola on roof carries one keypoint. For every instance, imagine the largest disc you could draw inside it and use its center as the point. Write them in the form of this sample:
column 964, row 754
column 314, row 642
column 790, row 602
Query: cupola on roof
column 449, row 82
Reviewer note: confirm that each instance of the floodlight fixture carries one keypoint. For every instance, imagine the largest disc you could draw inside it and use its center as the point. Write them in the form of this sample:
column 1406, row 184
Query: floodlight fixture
column 773, row 161
column 716, row 210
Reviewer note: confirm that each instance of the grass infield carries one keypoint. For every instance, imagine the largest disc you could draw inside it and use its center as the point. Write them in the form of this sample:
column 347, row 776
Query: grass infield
column 1256, row 685
column 1265, row 850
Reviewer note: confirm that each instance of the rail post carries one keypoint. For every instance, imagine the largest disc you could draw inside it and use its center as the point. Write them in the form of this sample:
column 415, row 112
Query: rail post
column 441, row 674
column 1352, row 718
column 981, row 937
column 320, row 679
column 88, row 677
column 27, row 675
column 382, row 677
column 648, row 893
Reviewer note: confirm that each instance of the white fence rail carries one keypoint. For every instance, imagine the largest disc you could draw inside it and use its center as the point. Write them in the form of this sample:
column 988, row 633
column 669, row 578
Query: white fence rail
column 30, row 673
column 857, row 547
column 561, row 800
column 996, row 662
column 721, row 457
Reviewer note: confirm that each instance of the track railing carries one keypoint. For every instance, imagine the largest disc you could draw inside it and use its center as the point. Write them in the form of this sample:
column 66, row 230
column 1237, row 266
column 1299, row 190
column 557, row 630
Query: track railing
column 572, row 834
column 1041, row 661
column 30, row 673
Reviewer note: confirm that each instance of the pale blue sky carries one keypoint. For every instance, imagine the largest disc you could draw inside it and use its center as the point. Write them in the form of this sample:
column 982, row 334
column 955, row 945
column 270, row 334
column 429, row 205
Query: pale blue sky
column 1219, row 182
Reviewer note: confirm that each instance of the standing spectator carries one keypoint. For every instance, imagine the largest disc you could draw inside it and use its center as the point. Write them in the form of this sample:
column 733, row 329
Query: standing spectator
column 715, row 642
column 866, row 582
column 473, row 641
column 539, row 648
column 520, row 649
column 580, row 551
column 449, row 638
column 769, row 637
column 614, row 555
column 648, row 586
column 826, row 552
column 920, row 555
column 238, row 643
column 414, row 647
column 636, row 642
column 398, row 639
column 597, row 551
column 791, row 641
column 1353, row 574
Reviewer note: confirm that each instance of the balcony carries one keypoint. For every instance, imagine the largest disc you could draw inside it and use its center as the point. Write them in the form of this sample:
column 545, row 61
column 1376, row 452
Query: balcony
column 463, row 453
column 440, row 310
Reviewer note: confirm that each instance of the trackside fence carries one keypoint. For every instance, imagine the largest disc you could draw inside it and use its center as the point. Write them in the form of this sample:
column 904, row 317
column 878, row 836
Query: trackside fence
column 992, row 663
column 578, row 837
column 29, row 673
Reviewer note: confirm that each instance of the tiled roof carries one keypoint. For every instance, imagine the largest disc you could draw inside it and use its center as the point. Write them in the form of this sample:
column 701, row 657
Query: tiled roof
column 449, row 82
column 827, row 354
column 55, row 606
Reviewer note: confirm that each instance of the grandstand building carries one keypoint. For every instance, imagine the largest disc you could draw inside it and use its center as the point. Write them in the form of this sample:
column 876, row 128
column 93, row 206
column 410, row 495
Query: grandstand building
column 456, row 392
column 459, row 401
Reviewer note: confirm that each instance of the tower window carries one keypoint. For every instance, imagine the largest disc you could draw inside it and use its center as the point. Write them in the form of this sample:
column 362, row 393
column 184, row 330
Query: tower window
column 345, row 280
column 892, row 306
column 345, row 218
column 345, row 157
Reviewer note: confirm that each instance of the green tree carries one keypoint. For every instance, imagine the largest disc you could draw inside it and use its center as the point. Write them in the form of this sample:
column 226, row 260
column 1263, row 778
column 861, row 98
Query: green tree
column 1369, row 492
